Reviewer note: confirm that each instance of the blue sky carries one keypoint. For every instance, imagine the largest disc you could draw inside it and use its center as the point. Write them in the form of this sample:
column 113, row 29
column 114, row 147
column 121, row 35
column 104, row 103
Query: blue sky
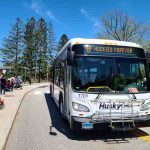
column 76, row 18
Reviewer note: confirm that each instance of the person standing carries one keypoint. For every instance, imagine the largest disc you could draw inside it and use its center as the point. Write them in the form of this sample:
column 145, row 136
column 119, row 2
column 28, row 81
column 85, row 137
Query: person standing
column 3, row 84
column 0, row 86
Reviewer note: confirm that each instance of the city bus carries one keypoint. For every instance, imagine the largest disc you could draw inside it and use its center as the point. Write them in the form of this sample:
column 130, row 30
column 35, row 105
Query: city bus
column 101, row 83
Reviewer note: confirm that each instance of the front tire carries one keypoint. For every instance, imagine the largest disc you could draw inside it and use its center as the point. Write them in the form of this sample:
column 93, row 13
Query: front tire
column 74, row 126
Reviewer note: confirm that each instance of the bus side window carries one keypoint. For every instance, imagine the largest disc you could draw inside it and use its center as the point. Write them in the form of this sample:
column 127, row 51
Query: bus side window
column 61, row 75
column 68, row 71
column 56, row 75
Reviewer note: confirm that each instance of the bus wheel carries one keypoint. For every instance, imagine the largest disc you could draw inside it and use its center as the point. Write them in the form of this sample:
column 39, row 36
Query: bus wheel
column 73, row 126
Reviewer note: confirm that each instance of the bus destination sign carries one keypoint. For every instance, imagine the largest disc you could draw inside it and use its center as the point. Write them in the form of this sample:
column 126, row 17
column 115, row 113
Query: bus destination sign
column 109, row 50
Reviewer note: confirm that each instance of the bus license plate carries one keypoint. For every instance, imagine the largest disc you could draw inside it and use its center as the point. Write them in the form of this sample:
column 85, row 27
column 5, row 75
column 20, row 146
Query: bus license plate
column 87, row 125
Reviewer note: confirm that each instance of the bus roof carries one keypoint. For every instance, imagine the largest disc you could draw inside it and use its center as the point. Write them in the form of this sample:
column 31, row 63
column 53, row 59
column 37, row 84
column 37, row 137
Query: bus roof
column 74, row 41
column 102, row 41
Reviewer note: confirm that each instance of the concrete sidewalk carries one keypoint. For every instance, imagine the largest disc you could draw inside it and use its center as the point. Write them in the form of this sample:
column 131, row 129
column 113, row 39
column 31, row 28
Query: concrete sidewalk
column 12, row 102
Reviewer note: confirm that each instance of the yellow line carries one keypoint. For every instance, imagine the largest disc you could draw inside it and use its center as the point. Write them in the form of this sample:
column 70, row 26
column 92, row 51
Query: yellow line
column 148, row 137
column 146, row 140
column 141, row 135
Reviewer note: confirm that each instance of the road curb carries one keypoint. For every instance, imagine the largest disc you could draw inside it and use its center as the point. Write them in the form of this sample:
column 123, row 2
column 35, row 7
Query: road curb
column 11, row 120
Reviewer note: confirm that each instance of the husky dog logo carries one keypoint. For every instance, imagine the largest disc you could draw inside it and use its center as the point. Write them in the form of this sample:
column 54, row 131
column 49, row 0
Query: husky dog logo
column 88, row 49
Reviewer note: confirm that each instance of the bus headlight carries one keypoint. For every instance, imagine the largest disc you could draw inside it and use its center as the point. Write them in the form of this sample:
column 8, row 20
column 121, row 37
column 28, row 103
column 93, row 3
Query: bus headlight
column 145, row 107
column 79, row 107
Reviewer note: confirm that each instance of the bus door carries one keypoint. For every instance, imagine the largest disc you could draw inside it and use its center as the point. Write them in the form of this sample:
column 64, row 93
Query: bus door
column 66, row 89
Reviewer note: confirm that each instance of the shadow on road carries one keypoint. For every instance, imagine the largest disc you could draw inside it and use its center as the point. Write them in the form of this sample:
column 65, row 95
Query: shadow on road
column 63, row 126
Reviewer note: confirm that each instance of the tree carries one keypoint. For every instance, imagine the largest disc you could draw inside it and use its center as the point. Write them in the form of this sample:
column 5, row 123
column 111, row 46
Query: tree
column 29, row 57
column 63, row 40
column 13, row 46
column 31, row 47
column 41, row 40
column 51, row 43
column 120, row 26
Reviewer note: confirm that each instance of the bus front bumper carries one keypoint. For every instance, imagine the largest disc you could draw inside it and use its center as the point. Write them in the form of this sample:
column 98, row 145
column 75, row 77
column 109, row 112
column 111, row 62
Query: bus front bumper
column 82, row 123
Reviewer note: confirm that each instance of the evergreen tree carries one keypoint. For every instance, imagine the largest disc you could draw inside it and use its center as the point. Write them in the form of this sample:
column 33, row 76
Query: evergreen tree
column 30, row 45
column 51, row 43
column 63, row 40
column 12, row 47
column 41, row 37
column 31, row 48
column 51, row 49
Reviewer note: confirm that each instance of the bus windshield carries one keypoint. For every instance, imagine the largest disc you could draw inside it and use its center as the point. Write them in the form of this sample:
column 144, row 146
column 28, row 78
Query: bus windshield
column 107, row 74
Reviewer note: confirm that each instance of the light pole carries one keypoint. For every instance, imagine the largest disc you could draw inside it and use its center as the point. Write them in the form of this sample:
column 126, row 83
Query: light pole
column 35, row 75
column 25, row 71
column 47, row 72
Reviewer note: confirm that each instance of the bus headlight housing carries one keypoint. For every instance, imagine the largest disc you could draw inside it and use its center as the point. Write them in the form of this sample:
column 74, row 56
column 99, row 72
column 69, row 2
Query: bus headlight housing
column 145, row 107
column 79, row 107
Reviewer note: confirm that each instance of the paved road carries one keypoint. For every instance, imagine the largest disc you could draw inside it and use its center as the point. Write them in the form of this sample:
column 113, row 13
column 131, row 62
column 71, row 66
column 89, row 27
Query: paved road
column 31, row 130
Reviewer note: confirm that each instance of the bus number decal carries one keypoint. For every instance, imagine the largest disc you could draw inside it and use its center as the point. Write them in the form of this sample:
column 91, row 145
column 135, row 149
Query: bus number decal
column 83, row 95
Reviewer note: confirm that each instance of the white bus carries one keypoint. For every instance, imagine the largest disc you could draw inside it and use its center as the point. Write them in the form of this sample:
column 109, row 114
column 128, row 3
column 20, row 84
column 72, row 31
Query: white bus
column 101, row 83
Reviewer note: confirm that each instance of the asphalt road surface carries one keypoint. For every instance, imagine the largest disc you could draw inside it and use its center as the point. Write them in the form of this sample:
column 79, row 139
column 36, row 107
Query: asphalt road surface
column 38, row 114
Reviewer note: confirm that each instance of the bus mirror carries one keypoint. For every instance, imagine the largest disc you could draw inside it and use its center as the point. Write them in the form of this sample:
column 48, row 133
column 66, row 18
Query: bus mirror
column 70, row 58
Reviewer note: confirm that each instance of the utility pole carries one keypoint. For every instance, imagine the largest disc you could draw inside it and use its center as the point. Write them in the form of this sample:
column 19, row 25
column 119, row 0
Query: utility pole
column 35, row 71
column 39, row 70
column 47, row 72
column 25, row 72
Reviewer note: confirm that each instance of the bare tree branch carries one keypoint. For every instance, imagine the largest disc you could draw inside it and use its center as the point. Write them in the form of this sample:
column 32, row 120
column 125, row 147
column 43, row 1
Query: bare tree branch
column 120, row 26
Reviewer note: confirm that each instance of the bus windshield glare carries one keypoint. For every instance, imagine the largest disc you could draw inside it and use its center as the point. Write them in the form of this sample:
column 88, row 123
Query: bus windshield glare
column 107, row 74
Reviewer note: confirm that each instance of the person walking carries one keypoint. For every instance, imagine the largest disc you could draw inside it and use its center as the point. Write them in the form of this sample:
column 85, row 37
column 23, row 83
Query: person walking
column 29, row 80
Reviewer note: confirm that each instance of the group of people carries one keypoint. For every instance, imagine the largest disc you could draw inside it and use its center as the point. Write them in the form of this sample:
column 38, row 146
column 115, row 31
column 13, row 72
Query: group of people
column 8, row 85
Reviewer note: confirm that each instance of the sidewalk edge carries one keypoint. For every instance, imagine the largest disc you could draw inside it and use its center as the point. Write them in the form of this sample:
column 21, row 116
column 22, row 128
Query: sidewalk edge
column 3, row 145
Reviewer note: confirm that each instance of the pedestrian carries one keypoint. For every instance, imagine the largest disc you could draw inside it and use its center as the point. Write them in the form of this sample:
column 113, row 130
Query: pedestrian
column 1, row 103
column 29, row 80
column 3, row 84
column 17, row 83
column 0, row 86
column 9, row 85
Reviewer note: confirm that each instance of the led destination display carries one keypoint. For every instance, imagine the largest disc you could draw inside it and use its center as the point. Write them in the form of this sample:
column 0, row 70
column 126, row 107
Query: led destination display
column 108, row 50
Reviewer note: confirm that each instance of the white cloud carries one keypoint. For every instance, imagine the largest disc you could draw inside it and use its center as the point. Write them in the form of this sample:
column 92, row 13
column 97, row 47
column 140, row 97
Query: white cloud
column 36, row 8
column 84, row 12
column 51, row 16
column 41, row 10
column 92, row 19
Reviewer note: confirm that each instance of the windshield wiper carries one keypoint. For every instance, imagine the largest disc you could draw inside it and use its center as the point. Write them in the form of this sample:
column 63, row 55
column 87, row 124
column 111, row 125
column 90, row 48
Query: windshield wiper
column 99, row 96
column 134, row 97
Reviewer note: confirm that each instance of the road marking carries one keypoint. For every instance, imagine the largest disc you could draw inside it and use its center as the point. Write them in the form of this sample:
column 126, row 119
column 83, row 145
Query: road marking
column 146, row 138
column 142, row 135
column 37, row 92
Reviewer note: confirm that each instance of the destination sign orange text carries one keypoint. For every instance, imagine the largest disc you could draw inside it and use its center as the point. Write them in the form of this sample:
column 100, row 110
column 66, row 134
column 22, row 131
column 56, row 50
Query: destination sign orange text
column 106, row 49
